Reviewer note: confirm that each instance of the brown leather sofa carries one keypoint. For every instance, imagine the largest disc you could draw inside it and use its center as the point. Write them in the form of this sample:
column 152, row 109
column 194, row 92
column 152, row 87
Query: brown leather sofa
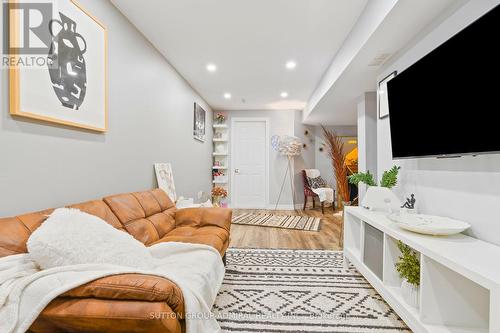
column 126, row 302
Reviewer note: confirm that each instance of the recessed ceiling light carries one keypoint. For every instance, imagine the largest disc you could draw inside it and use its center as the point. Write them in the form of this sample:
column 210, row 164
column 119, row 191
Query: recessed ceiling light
column 284, row 94
column 291, row 64
column 211, row 68
column 227, row 96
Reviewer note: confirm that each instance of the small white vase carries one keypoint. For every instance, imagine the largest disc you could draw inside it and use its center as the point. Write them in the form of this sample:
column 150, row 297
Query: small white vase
column 410, row 293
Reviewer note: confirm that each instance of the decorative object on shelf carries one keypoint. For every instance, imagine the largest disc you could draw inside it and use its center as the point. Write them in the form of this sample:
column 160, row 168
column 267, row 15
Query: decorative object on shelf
column 199, row 123
column 379, row 197
column 408, row 268
column 383, row 101
column 218, row 193
column 335, row 151
column 220, row 118
column 429, row 224
column 71, row 88
column 410, row 202
column 165, row 179
column 289, row 146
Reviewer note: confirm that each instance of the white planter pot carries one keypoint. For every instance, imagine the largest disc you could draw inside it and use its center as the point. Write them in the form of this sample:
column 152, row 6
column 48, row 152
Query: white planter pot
column 410, row 293
column 381, row 199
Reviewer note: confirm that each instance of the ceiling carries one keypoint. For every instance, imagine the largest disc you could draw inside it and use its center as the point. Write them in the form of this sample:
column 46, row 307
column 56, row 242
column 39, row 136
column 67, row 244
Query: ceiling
column 405, row 21
column 250, row 42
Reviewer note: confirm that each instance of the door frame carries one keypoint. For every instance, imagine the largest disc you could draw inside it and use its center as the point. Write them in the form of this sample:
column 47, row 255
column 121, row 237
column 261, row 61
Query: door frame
column 265, row 120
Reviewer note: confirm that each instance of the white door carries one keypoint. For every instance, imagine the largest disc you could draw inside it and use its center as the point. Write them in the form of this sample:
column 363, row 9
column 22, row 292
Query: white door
column 249, row 163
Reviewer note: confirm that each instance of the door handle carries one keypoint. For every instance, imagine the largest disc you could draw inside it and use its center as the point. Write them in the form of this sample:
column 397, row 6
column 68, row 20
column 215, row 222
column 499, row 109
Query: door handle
column 236, row 171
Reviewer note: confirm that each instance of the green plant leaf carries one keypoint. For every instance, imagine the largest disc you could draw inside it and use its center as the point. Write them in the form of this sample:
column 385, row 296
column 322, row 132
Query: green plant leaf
column 362, row 177
column 390, row 177
column 408, row 265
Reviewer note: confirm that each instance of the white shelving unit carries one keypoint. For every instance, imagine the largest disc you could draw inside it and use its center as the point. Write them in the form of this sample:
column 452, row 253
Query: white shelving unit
column 460, row 275
column 220, row 155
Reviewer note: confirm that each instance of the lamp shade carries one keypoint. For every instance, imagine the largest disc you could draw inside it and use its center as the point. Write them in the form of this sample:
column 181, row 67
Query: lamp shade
column 286, row 145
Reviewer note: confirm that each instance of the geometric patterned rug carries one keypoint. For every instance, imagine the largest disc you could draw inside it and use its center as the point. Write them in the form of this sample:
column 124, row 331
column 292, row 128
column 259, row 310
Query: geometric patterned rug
column 306, row 223
column 281, row 291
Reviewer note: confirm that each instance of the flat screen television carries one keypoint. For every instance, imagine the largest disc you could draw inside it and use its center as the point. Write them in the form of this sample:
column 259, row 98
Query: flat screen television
column 448, row 102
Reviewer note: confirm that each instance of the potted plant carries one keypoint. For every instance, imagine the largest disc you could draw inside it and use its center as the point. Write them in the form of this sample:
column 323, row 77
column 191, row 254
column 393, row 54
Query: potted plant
column 218, row 193
column 379, row 197
column 408, row 268
column 220, row 117
column 335, row 147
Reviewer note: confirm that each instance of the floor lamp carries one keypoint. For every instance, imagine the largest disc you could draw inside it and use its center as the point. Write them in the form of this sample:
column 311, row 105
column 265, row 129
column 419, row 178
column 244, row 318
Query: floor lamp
column 290, row 147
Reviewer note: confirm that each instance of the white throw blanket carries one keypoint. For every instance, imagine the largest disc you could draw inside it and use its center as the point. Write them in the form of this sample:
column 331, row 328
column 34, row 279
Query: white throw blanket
column 324, row 193
column 25, row 290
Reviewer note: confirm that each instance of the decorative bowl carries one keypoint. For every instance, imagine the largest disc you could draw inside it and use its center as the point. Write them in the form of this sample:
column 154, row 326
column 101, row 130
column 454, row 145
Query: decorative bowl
column 429, row 224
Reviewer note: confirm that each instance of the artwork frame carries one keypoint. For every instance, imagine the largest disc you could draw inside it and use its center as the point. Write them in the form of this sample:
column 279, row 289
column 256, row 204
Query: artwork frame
column 383, row 101
column 199, row 123
column 165, row 179
column 94, row 115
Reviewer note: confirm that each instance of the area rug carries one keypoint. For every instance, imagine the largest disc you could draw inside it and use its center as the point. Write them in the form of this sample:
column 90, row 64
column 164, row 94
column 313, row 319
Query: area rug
column 281, row 291
column 306, row 223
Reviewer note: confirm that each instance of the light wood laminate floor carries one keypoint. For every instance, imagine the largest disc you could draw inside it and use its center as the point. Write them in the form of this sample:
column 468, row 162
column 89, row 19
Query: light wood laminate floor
column 327, row 238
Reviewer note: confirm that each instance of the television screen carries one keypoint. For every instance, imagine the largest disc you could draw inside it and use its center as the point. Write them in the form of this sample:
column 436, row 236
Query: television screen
column 448, row 102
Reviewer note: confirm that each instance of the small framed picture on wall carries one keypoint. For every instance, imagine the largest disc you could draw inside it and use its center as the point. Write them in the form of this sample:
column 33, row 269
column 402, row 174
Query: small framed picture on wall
column 199, row 123
column 383, row 100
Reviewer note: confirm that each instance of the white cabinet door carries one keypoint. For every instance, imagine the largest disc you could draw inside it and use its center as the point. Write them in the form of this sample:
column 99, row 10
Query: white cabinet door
column 249, row 163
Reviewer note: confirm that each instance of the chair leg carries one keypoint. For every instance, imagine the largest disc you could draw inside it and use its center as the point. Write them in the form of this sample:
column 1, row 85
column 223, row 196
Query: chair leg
column 323, row 207
column 314, row 202
column 305, row 202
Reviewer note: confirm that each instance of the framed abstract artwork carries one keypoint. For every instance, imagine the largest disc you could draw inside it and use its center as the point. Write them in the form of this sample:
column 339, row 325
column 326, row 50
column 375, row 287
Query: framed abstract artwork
column 199, row 123
column 383, row 100
column 71, row 87
column 165, row 179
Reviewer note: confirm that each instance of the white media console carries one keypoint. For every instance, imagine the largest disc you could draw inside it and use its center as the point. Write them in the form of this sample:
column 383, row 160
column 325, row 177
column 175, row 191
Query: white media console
column 460, row 275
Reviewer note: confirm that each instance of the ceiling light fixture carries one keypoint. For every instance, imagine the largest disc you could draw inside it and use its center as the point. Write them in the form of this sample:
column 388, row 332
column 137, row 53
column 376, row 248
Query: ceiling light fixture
column 284, row 94
column 291, row 65
column 227, row 95
column 211, row 68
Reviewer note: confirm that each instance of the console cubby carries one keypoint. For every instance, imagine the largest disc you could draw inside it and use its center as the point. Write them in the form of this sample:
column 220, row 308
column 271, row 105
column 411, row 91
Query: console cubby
column 460, row 281
column 449, row 299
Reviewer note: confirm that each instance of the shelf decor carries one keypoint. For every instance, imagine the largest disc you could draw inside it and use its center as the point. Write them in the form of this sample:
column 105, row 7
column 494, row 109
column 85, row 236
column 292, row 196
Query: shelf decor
column 220, row 164
column 218, row 194
column 408, row 268
column 220, row 118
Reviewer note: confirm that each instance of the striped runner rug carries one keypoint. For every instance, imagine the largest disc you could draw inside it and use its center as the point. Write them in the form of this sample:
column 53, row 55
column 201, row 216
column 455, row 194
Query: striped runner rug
column 292, row 291
column 306, row 223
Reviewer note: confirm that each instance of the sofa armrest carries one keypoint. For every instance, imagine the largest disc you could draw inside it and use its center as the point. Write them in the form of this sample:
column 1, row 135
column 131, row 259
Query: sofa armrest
column 201, row 217
column 133, row 287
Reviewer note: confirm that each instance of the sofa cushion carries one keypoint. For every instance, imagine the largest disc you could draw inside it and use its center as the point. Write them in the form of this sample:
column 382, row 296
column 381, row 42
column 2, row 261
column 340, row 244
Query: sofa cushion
column 139, row 287
column 15, row 231
column 99, row 209
column 93, row 315
column 216, row 237
column 147, row 215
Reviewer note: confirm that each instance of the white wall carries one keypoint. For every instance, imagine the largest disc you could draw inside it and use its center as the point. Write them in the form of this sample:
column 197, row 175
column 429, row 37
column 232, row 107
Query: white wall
column 150, row 120
column 307, row 159
column 281, row 122
column 467, row 188
column 367, row 137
